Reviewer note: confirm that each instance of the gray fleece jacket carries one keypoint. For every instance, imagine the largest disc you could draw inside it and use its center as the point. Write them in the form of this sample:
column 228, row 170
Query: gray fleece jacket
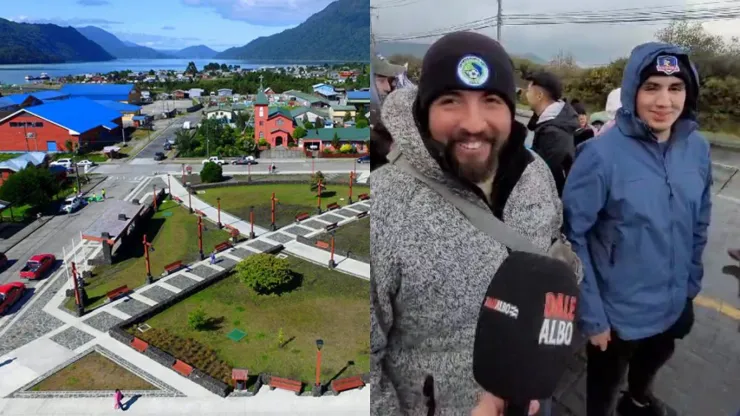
column 431, row 269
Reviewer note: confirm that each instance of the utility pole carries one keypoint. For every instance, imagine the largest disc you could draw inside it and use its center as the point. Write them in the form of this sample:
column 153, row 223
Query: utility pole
column 499, row 22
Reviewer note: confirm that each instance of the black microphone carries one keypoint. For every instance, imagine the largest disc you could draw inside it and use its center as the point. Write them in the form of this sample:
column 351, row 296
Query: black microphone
column 525, row 330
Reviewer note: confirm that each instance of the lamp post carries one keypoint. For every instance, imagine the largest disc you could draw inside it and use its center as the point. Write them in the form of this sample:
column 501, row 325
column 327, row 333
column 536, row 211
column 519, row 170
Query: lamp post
column 154, row 196
column 332, row 263
column 218, row 201
column 313, row 164
column 317, row 385
column 351, row 179
column 354, row 167
column 147, row 247
column 200, row 237
column 249, row 172
column 169, row 186
column 273, row 227
column 190, row 200
column 318, row 206
column 183, row 173
column 79, row 297
column 251, row 222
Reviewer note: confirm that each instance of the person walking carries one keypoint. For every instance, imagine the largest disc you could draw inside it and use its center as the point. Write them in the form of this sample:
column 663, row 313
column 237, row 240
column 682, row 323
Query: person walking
column 103, row 192
column 117, row 397
column 637, row 207
column 213, row 257
column 431, row 265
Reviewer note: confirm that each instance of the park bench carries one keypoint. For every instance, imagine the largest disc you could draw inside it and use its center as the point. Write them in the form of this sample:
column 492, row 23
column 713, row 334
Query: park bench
column 117, row 293
column 199, row 212
column 362, row 214
column 183, row 368
column 139, row 345
column 322, row 244
column 173, row 267
column 364, row 197
column 239, row 376
column 331, row 226
column 333, row 206
column 285, row 384
column 222, row 246
column 302, row 216
column 348, row 383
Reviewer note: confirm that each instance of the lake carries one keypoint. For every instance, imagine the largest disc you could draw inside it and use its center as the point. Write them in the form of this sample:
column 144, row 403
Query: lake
column 16, row 74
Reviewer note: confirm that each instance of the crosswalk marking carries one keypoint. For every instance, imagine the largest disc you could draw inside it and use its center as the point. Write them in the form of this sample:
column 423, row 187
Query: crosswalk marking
column 134, row 179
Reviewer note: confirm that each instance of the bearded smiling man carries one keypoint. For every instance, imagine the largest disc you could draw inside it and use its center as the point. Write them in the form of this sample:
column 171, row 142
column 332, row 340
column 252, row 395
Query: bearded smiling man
column 431, row 266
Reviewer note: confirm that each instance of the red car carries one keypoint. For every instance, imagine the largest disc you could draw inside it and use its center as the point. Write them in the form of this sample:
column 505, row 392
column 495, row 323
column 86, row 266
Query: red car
column 38, row 266
column 9, row 294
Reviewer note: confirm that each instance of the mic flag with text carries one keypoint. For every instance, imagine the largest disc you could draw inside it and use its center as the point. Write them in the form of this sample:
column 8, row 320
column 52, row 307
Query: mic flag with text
column 526, row 328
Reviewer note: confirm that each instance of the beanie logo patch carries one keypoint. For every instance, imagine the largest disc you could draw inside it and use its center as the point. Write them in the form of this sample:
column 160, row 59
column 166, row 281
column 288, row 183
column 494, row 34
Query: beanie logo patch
column 472, row 71
column 667, row 64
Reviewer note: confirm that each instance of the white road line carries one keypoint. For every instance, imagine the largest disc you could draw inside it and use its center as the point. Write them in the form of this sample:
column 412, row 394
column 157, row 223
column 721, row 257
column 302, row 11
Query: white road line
column 729, row 198
column 137, row 189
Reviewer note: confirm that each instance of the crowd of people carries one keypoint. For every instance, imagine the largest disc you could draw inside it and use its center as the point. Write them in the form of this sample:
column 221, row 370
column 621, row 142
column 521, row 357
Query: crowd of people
column 630, row 195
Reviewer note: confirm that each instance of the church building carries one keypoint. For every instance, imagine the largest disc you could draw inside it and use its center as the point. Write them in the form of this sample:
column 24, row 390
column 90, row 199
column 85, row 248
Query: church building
column 274, row 126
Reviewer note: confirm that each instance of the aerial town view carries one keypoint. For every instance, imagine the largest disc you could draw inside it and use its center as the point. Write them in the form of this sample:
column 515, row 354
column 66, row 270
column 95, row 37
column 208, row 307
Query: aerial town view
column 184, row 229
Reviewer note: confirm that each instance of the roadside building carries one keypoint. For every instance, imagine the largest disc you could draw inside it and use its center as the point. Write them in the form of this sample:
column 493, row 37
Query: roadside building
column 195, row 92
column 298, row 98
column 326, row 92
column 274, row 126
column 180, row 94
column 127, row 111
column 302, row 114
column 224, row 92
column 358, row 98
column 50, row 95
column 320, row 139
column 339, row 112
column 125, row 93
column 53, row 126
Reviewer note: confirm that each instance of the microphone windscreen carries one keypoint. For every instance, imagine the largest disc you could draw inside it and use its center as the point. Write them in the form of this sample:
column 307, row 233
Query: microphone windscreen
column 526, row 328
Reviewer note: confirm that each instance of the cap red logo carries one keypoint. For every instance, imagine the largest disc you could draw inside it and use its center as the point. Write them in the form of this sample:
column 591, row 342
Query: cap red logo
column 501, row 306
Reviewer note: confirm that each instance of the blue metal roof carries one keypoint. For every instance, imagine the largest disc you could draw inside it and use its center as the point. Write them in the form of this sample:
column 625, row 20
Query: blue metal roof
column 49, row 95
column 326, row 90
column 110, row 125
column 6, row 102
column 113, row 92
column 17, row 98
column 358, row 95
column 139, row 118
column 118, row 106
column 78, row 114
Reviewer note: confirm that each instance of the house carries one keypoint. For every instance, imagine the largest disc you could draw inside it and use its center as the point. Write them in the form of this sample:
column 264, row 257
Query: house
column 326, row 91
column 55, row 126
column 180, row 94
column 358, row 98
column 22, row 161
column 127, row 111
column 195, row 92
column 224, row 92
column 146, row 95
column 274, row 126
column 50, row 95
column 302, row 99
column 17, row 101
column 125, row 93
column 223, row 112
column 141, row 120
column 339, row 112
column 301, row 114
column 320, row 139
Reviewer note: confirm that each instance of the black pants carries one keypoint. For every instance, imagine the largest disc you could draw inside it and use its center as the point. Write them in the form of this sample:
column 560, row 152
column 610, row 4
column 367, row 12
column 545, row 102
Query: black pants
column 606, row 369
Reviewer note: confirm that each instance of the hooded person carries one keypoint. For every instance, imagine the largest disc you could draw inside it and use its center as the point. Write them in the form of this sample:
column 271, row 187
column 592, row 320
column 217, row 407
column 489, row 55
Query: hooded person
column 431, row 265
column 637, row 207
column 613, row 104
column 385, row 76
column 554, row 123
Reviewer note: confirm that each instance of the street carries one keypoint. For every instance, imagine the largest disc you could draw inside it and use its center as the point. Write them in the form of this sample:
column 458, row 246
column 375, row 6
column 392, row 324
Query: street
column 146, row 156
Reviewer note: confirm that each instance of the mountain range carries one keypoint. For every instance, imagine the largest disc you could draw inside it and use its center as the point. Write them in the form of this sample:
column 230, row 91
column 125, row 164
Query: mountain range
column 419, row 49
column 340, row 32
column 26, row 43
column 118, row 48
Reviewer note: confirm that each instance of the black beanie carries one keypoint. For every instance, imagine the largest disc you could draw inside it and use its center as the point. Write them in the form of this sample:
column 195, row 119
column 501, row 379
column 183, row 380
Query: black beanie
column 465, row 61
column 668, row 65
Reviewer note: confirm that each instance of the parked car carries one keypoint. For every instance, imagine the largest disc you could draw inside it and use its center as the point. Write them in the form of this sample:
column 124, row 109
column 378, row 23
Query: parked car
column 214, row 159
column 37, row 266
column 159, row 156
column 244, row 160
column 10, row 294
column 167, row 146
column 86, row 163
column 72, row 204
column 67, row 163
column 363, row 159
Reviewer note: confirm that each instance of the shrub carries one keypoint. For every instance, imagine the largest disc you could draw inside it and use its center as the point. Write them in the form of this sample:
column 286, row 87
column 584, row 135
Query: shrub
column 33, row 186
column 264, row 273
column 211, row 172
column 197, row 319
column 263, row 143
column 346, row 148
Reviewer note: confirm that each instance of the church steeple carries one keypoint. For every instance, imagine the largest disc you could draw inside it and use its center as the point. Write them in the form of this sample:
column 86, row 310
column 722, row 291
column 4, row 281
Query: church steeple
column 261, row 97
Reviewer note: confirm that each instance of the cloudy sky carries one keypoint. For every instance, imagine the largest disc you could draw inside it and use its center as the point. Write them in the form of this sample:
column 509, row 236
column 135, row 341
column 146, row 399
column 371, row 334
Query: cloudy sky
column 591, row 44
column 171, row 24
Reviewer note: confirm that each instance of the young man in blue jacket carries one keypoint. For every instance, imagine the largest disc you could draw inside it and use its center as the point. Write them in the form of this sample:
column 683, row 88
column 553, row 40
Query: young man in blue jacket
column 637, row 207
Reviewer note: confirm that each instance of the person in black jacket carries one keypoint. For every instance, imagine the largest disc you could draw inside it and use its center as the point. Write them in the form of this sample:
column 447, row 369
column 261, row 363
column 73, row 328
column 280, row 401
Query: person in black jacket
column 585, row 131
column 554, row 122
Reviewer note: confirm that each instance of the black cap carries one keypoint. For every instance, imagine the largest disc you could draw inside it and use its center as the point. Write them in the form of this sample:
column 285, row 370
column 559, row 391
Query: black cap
column 465, row 61
column 580, row 109
column 665, row 66
column 548, row 82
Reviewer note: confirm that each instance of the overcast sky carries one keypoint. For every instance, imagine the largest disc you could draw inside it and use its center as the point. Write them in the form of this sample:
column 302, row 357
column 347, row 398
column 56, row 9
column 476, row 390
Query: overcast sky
column 591, row 44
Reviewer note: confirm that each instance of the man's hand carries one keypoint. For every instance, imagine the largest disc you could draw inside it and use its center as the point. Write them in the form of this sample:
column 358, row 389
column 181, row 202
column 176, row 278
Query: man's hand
column 601, row 340
column 490, row 405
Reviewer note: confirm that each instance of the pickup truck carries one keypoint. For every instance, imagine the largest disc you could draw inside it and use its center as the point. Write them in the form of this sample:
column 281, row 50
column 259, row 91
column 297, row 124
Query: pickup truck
column 37, row 266
column 215, row 160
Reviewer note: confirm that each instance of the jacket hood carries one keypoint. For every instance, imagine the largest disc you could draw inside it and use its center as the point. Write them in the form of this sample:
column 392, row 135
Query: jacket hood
column 558, row 114
column 642, row 56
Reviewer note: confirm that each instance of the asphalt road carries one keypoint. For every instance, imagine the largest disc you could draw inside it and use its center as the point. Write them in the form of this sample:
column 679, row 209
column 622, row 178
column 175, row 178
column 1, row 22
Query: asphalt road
column 157, row 145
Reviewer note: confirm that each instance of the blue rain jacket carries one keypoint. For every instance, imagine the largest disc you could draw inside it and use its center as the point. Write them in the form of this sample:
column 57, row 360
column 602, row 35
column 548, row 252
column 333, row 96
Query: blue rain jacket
column 638, row 218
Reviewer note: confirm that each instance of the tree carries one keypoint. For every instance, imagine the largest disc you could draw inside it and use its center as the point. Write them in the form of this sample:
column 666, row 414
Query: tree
column 299, row 132
column 335, row 141
column 191, row 69
column 33, row 186
column 264, row 273
column 362, row 123
column 347, row 116
column 250, row 146
column 308, row 125
column 197, row 319
column 69, row 145
column 316, row 178
column 318, row 123
column 211, row 173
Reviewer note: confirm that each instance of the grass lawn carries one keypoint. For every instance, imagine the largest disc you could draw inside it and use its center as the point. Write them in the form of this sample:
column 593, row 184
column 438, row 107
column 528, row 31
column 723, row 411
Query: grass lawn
column 352, row 240
column 174, row 237
column 328, row 305
column 293, row 200
column 93, row 372
column 141, row 134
